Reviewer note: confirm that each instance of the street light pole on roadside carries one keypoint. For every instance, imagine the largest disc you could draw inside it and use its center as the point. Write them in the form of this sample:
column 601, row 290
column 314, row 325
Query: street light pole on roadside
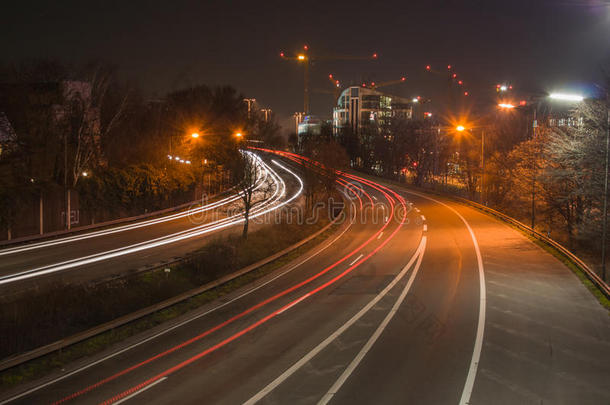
column 605, row 212
column 462, row 128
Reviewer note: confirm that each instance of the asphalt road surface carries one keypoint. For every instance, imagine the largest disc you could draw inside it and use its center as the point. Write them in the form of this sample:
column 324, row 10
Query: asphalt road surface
column 107, row 252
column 413, row 299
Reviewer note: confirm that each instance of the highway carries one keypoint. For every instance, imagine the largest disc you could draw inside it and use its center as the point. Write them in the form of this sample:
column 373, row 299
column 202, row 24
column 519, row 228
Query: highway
column 107, row 252
column 413, row 299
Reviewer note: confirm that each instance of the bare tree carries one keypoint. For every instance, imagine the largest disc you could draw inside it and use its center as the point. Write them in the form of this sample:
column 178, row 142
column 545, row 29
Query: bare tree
column 249, row 169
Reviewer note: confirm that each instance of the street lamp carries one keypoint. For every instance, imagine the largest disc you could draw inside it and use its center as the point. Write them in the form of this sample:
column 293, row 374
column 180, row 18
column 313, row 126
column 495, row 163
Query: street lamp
column 536, row 102
column 462, row 128
column 195, row 135
column 566, row 97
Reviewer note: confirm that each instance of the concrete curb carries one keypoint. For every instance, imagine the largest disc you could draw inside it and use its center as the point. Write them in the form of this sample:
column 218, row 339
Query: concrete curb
column 79, row 337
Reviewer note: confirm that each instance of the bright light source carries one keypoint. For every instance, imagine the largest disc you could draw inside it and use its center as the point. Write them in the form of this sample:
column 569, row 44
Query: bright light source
column 169, row 157
column 188, row 162
column 195, row 135
column 428, row 67
column 85, row 174
column 415, row 100
column 330, row 76
column 372, row 83
column 460, row 82
column 506, row 105
column 522, row 102
column 281, row 54
column 460, row 128
column 239, row 135
column 466, row 93
column 448, row 67
column 301, row 57
column 403, row 78
column 503, row 88
column 177, row 157
column 566, row 97
column 375, row 56
column 305, row 47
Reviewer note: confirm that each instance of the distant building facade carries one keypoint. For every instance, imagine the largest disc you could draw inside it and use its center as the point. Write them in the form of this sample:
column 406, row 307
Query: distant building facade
column 358, row 107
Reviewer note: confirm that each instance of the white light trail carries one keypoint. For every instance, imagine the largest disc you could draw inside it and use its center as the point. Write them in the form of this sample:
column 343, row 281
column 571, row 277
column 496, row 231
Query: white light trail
column 128, row 227
column 176, row 237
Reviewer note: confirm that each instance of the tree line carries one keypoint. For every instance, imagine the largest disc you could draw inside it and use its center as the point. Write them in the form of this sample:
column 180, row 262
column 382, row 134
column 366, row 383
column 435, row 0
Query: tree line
column 551, row 176
column 83, row 129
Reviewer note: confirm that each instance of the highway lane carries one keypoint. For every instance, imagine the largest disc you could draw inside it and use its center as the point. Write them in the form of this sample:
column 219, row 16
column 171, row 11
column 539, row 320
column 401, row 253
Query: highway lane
column 131, row 246
column 401, row 326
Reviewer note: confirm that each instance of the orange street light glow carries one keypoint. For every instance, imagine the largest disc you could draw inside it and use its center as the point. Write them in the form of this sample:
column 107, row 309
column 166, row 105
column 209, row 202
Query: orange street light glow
column 301, row 57
column 195, row 135
column 460, row 128
column 506, row 105
column 239, row 135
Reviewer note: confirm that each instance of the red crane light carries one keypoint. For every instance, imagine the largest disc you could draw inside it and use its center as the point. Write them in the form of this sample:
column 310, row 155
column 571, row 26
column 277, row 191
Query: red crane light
column 510, row 87
column 448, row 67
column 465, row 93
column 460, row 82
column 305, row 47
column 375, row 55
column 522, row 102
column 282, row 54
column 403, row 78
column 330, row 76
column 372, row 83
column 454, row 75
column 428, row 67
column 363, row 84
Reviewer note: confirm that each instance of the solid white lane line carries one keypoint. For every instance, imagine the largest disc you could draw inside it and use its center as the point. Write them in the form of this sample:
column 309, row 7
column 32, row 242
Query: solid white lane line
column 189, row 320
column 155, row 242
column 352, row 366
column 380, row 235
column 425, row 227
column 356, row 259
column 300, row 363
column 478, row 343
column 141, row 391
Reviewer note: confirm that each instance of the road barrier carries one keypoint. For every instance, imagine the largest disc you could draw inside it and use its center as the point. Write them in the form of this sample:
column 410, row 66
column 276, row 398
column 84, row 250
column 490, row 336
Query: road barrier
column 50, row 235
column 588, row 272
column 79, row 337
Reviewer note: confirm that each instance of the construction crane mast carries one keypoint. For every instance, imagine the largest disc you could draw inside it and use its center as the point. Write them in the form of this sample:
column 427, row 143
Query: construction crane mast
column 307, row 58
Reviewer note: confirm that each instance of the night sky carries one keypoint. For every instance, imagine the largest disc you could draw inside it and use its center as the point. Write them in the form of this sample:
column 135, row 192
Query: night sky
column 164, row 45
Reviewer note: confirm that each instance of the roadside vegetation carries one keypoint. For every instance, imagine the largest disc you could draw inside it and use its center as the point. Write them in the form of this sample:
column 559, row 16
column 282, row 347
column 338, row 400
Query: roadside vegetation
column 64, row 310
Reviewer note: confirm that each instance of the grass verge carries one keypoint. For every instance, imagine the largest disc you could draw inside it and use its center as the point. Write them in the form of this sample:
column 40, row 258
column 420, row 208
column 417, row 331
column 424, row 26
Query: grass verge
column 45, row 365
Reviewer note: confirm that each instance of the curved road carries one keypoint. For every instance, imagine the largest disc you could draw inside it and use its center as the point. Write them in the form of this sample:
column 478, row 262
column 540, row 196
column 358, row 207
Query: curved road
column 107, row 252
column 414, row 299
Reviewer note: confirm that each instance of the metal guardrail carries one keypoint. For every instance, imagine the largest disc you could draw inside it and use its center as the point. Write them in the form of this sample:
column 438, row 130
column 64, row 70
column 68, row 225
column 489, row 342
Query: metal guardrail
column 588, row 272
column 63, row 232
column 79, row 337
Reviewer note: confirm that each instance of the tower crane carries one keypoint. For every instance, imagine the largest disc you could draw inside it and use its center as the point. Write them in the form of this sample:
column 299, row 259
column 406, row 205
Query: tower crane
column 307, row 58
column 375, row 85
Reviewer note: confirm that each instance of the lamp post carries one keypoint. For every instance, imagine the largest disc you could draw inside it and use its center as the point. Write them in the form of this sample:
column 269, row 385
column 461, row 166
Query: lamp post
column 462, row 128
column 565, row 97
column 605, row 213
